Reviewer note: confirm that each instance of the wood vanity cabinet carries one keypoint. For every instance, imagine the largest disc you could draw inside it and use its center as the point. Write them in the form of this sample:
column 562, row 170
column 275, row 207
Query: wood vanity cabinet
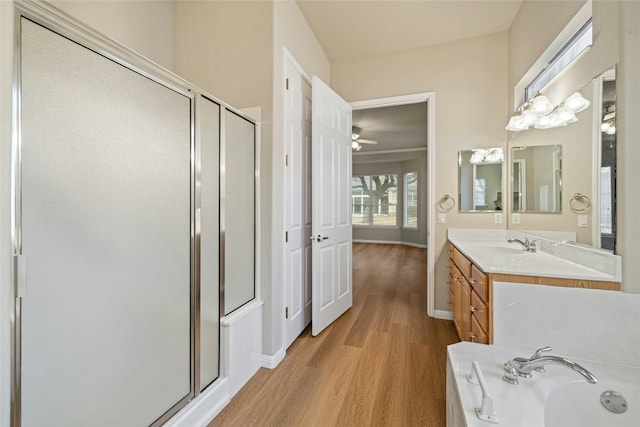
column 468, row 292
column 471, row 294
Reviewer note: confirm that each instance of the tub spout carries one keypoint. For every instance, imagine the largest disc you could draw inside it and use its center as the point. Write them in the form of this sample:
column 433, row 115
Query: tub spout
column 521, row 367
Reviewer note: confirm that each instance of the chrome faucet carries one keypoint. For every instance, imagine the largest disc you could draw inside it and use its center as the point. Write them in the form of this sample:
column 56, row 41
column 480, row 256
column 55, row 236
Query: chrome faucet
column 521, row 367
column 529, row 245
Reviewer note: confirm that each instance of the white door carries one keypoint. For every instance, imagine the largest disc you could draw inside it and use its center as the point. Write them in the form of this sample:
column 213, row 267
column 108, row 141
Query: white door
column 297, row 200
column 331, row 207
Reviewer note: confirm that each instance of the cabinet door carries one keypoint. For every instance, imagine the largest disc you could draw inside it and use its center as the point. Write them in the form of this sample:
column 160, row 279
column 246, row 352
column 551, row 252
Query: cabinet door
column 465, row 313
column 477, row 334
column 479, row 310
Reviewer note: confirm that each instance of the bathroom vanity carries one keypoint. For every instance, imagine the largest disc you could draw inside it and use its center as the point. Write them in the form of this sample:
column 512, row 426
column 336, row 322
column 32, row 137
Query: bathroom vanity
column 478, row 258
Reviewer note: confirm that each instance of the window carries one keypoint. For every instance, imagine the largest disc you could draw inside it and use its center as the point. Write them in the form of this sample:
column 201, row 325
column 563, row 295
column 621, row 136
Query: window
column 375, row 200
column 480, row 191
column 411, row 200
column 570, row 51
column 606, row 202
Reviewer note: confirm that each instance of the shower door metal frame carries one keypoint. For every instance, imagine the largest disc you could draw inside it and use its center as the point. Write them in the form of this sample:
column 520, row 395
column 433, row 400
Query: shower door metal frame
column 59, row 22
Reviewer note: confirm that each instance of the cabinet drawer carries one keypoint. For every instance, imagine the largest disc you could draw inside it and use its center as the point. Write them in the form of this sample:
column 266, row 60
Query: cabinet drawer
column 479, row 283
column 463, row 264
column 477, row 334
column 479, row 311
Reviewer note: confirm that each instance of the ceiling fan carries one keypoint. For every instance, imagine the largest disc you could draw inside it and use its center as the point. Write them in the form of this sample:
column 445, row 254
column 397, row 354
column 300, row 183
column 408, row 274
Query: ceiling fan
column 356, row 140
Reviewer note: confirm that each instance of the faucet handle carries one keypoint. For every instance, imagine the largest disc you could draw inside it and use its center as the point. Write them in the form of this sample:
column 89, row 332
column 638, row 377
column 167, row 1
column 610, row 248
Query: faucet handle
column 538, row 352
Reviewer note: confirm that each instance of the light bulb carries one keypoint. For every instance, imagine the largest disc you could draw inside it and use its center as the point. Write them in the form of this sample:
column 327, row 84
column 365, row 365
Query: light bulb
column 576, row 103
column 540, row 104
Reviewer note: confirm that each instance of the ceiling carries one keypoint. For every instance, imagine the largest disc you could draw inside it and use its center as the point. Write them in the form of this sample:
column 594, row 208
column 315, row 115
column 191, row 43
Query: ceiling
column 359, row 28
column 399, row 127
column 350, row 29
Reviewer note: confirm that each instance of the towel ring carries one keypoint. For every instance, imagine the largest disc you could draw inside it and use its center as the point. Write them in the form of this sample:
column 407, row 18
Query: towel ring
column 580, row 203
column 446, row 203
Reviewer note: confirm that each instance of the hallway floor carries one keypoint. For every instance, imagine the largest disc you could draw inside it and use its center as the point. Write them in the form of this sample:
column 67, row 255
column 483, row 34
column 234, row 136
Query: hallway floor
column 382, row 363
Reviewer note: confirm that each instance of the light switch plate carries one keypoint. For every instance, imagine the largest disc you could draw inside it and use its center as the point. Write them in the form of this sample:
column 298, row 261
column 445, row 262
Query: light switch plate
column 442, row 218
column 583, row 221
column 515, row 218
column 497, row 218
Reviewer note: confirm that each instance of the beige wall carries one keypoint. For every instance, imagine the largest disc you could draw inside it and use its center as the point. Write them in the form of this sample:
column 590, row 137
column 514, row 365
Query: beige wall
column 290, row 31
column 144, row 26
column 628, row 137
column 469, row 79
column 577, row 177
column 226, row 49
column 616, row 37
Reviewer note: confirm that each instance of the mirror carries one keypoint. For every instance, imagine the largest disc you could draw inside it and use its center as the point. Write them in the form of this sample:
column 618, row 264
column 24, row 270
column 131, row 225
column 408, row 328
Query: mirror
column 608, row 161
column 536, row 176
column 480, row 180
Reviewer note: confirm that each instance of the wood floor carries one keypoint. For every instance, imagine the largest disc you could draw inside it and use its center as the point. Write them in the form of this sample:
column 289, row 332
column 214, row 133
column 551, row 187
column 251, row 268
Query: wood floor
column 382, row 363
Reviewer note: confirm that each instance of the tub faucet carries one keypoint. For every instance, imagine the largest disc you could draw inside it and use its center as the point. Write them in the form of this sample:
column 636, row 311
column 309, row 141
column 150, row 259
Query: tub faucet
column 529, row 245
column 522, row 367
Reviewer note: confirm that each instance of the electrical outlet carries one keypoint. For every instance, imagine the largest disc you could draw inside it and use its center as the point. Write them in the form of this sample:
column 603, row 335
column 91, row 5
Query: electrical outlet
column 442, row 218
column 515, row 218
column 583, row 221
column 497, row 218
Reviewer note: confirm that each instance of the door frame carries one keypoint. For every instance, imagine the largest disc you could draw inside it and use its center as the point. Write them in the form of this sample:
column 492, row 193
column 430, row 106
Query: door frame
column 288, row 58
column 430, row 99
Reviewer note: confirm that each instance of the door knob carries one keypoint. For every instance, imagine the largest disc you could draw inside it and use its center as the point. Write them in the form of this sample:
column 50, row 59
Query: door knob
column 319, row 238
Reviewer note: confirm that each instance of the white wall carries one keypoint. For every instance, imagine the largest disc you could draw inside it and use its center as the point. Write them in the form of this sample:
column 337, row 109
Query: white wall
column 469, row 79
column 143, row 26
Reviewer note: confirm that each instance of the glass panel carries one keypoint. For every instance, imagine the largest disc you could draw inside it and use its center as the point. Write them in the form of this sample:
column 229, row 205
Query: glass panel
column 537, row 178
column 239, row 244
column 480, row 179
column 608, row 161
column 411, row 200
column 375, row 200
column 106, row 232
column 209, row 242
column 570, row 51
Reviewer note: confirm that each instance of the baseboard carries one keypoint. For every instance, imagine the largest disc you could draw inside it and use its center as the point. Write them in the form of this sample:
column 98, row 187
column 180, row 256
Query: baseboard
column 271, row 362
column 443, row 314
column 391, row 242
column 204, row 408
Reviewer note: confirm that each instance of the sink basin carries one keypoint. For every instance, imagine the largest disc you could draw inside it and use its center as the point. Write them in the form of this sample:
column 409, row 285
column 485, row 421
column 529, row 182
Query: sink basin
column 578, row 404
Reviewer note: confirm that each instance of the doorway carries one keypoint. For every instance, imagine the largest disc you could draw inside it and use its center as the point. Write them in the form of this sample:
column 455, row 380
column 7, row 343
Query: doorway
column 371, row 159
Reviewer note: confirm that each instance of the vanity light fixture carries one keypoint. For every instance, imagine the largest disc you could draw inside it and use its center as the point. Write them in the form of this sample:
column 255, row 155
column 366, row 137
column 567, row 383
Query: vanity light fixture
column 486, row 156
column 540, row 105
column 576, row 103
column 539, row 113
column 608, row 125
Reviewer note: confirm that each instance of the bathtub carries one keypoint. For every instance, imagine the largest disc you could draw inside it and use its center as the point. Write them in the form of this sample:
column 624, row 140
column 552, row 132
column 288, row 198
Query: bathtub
column 558, row 397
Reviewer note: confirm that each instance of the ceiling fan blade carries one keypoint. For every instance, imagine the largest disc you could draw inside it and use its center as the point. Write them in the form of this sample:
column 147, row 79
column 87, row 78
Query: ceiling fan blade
column 367, row 141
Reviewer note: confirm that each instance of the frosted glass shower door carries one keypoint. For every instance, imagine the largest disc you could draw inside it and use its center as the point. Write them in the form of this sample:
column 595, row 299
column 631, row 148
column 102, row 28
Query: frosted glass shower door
column 239, row 208
column 209, row 242
column 106, row 225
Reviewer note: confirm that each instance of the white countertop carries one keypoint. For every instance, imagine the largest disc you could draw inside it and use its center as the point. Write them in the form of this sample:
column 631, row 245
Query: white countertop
column 493, row 254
